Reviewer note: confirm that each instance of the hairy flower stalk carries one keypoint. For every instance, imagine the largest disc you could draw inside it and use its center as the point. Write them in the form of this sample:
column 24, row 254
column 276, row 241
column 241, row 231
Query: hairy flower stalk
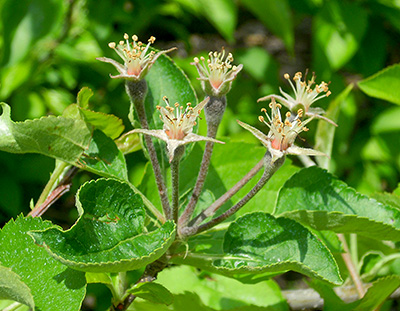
column 137, row 61
column 177, row 132
column 304, row 96
column 270, row 167
column 216, row 75
column 282, row 134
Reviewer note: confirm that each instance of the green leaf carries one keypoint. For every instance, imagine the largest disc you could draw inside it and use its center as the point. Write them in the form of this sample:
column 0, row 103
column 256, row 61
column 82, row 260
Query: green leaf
column 276, row 16
column 221, row 293
column 83, row 97
column 56, row 137
column 109, row 235
column 152, row 292
column 259, row 242
column 385, row 84
column 315, row 198
column 38, row 270
column 325, row 131
column 104, row 158
column 166, row 79
column 338, row 29
column 12, row 288
column 24, row 23
column 222, row 14
column 111, row 125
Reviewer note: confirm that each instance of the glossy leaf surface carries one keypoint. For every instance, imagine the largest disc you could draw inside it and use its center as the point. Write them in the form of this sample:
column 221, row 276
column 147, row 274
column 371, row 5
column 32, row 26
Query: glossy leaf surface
column 317, row 199
column 109, row 235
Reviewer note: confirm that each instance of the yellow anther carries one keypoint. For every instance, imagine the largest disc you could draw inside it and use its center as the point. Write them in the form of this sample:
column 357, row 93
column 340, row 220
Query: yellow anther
column 152, row 39
column 126, row 37
column 176, row 105
column 264, row 110
column 112, row 45
column 135, row 38
column 196, row 60
column 286, row 76
column 288, row 114
column 261, row 119
column 328, row 93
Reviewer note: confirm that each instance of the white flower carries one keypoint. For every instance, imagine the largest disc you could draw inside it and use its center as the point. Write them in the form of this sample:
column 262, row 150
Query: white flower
column 304, row 96
column 178, row 126
column 281, row 136
column 216, row 74
column 136, row 56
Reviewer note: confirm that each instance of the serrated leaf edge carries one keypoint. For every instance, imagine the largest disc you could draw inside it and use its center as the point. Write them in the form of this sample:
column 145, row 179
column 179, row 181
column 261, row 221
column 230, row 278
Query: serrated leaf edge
column 74, row 264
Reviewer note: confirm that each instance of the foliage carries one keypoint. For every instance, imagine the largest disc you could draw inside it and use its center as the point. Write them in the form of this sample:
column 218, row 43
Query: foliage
column 58, row 105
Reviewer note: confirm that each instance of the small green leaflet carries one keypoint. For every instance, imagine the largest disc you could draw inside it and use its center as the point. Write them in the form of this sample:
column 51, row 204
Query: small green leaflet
column 152, row 292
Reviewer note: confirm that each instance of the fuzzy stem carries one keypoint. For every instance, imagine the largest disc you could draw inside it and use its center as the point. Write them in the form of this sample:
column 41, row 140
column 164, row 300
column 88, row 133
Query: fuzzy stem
column 210, row 211
column 351, row 267
column 214, row 111
column 137, row 92
column 269, row 169
column 175, row 188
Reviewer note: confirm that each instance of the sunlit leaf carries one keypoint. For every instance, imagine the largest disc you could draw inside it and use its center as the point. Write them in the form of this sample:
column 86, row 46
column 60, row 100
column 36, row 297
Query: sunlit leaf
column 109, row 236
column 385, row 84
column 315, row 198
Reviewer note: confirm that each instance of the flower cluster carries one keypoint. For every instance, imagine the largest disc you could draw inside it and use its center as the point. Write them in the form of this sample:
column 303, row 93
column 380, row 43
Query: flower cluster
column 137, row 58
column 282, row 134
column 217, row 73
column 304, row 96
column 178, row 126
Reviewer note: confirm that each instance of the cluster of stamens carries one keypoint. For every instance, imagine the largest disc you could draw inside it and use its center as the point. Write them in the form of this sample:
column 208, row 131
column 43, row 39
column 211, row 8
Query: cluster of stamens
column 304, row 92
column 178, row 121
column 282, row 134
column 134, row 54
column 217, row 67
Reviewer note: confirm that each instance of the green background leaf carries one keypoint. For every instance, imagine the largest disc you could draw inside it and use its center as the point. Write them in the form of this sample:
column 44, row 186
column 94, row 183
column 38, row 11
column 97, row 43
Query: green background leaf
column 276, row 16
column 57, row 137
column 38, row 270
column 315, row 198
column 385, row 84
column 109, row 235
column 104, row 158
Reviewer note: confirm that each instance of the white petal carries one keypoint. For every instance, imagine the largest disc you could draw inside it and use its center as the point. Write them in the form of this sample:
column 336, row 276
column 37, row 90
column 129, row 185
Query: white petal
column 257, row 133
column 306, row 151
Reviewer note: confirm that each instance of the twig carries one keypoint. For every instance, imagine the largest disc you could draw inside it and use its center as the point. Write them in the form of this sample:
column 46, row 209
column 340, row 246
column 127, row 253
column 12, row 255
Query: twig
column 351, row 267
column 63, row 186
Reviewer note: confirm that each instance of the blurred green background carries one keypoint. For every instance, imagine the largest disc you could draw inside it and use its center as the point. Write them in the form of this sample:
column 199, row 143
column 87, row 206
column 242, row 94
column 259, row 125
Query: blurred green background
column 48, row 50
